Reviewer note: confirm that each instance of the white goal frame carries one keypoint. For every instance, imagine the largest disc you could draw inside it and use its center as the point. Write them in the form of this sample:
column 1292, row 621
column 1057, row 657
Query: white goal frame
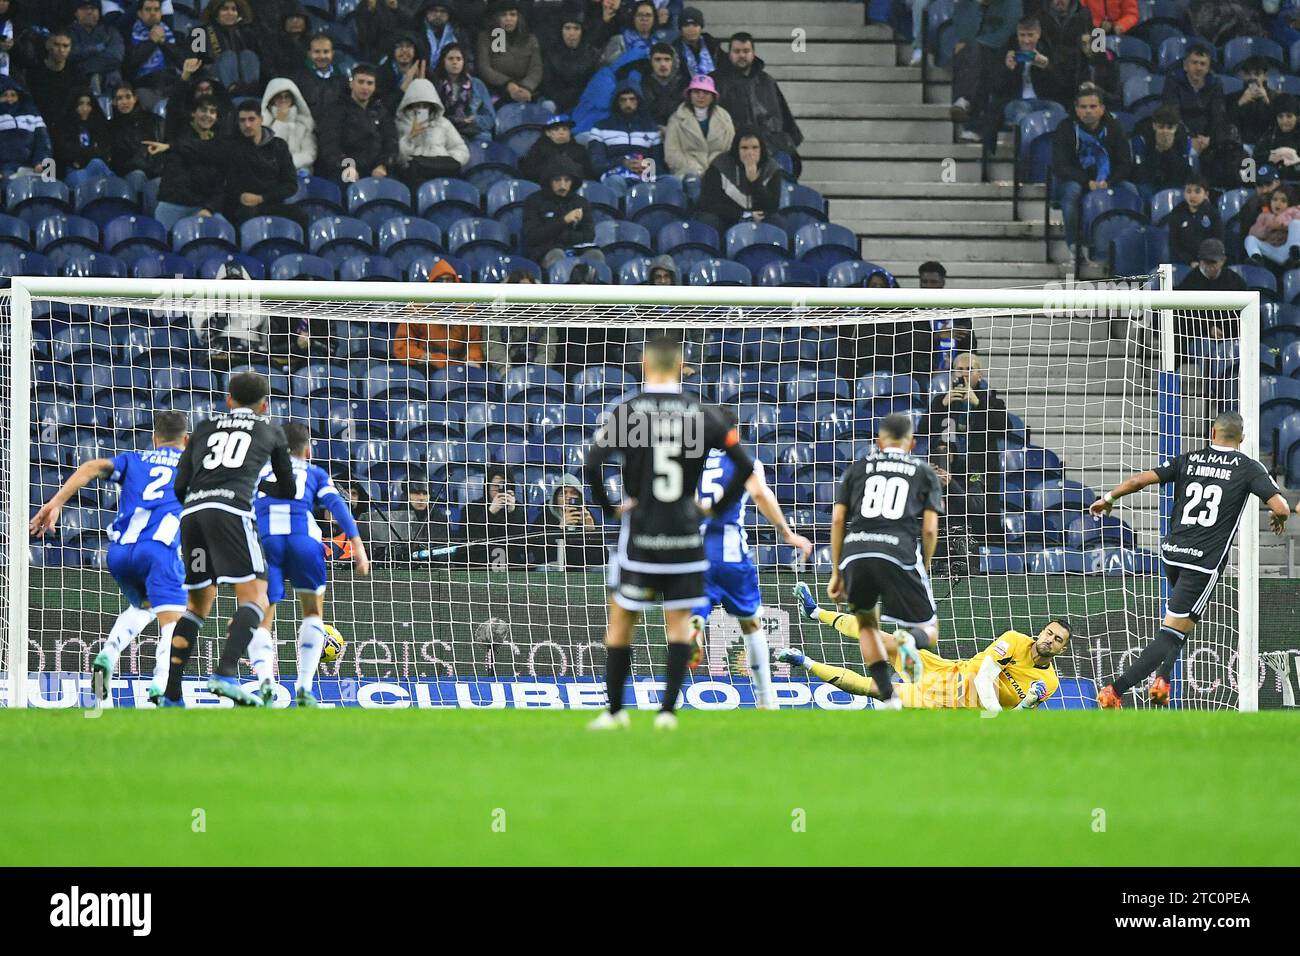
column 1083, row 302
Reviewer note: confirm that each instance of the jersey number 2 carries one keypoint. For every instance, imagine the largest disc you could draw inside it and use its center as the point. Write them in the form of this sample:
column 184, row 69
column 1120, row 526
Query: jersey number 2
column 227, row 449
column 1198, row 494
column 884, row 497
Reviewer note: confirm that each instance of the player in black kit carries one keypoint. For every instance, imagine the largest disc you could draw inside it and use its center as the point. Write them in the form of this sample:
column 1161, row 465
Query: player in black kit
column 664, row 437
column 1212, row 486
column 884, row 529
column 216, row 480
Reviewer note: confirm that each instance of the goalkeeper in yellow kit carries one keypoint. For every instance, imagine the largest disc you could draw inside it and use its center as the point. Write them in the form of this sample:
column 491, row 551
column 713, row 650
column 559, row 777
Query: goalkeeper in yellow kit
column 1015, row 671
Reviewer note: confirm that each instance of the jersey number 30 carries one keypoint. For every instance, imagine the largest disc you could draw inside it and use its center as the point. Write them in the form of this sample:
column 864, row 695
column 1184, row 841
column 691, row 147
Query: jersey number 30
column 1198, row 494
column 884, row 497
column 227, row 449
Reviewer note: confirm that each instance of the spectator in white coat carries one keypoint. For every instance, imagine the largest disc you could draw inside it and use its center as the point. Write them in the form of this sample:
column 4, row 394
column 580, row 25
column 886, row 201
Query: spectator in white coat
column 287, row 115
column 427, row 142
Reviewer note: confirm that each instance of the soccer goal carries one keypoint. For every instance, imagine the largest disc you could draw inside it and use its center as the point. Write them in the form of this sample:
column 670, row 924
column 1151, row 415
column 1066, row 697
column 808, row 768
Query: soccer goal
column 492, row 594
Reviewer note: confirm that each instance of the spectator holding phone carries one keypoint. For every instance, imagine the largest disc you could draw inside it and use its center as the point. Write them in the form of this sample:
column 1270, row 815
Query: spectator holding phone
column 495, row 526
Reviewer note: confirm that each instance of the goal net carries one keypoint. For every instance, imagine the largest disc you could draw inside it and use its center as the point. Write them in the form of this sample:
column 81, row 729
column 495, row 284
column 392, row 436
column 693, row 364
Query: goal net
column 455, row 417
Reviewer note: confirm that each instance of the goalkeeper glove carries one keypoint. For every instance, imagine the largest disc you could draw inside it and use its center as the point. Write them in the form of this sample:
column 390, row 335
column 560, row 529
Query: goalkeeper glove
column 1037, row 691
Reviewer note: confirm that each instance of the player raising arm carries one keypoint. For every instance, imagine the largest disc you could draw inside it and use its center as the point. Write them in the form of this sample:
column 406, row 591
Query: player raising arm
column 1015, row 671
column 1212, row 486
column 143, row 557
column 215, row 482
column 295, row 552
column 731, row 579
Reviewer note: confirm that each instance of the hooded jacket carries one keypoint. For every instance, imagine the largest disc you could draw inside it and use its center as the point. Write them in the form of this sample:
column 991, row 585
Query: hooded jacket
column 1161, row 170
column 593, row 105
column 583, row 544
column 662, row 97
column 283, row 53
column 727, row 192
column 543, row 153
column 507, row 526
column 618, row 136
column 756, row 100
column 24, row 138
column 78, row 141
column 390, row 74
column 520, row 62
column 298, row 130
column 1276, row 139
column 375, row 28
column 233, row 39
column 364, row 134
column 438, row 136
column 544, row 227
column 687, row 148
column 1061, row 34
column 568, row 71
column 439, row 345
column 265, row 168
column 430, row 44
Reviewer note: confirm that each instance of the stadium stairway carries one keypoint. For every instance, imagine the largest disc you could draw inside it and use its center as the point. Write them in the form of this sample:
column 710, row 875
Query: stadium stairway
column 883, row 151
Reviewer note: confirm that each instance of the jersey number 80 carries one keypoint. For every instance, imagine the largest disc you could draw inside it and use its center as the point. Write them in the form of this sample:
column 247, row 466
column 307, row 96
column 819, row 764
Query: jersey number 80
column 884, row 497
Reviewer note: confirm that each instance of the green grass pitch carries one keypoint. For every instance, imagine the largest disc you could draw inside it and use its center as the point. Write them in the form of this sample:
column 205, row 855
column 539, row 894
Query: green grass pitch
column 352, row 787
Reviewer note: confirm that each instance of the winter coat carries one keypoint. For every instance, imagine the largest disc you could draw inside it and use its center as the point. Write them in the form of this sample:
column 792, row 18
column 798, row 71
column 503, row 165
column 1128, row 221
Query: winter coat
column 728, row 194
column 233, row 39
column 194, row 170
column 1276, row 139
column 438, row 137
column 180, row 106
column 77, row 141
column 1202, row 110
column 322, row 93
column 593, row 105
column 520, row 62
column 544, row 227
column 49, row 89
column 364, row 134
column 567, row 73
column 687, row 149
column 661, row 98
column 375, row 28
column 629, row 40
column 1271, row 227
column 24, row 138
column 991, row 24
column 1122, row 13
column 1065, row 152
column 127, row 133
column 431, row 45
column 543, row 153
column 617, row 137
column 583, row 544
column 756, row 100
column 299, row 130
column 265, row 168
column 699, row 62
column 149, row 64
column 96, row 51
column 472, row 115
column 1161, row 170
column 439, row 345
column 1062, row 35
column 1187, row 229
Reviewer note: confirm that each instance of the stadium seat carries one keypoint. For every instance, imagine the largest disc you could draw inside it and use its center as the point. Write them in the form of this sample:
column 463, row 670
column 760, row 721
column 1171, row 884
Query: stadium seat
column 318, row 197
column 487, row 164
column 532, row 384
column 198, row 237
column 558, row 272
column 754, row 244
column 500, row 268
column 460, row 383
column 129, row 237
column 812, row 384
column 443, row 201
column 1129, row 49
column 616, row 236
column 655, row 204
column 395, row 381
column 475, row 232
column 710, row 272
column 507, row 194
column 797, row 198
column 1142, row 91
column 378, row 198
column 298, row 265
column 780, row 272
column 1057, row 493
column 604, row 203
column 824, row 244
column 1258, row 278
column 1138, row 249
column 403, row 238
column 59, row 236
column 1103, row 212
column 337, row 237
column 267, row 238
column 993, row 560
column 34, row 196
column 1239, row 49
column 15, row 235
column 212, row 265
column 598, row 384
column 1163, row 204
column 634, row 271
column 516, row 119
column 103, row 200
column 1084, row 531
column 1034, row 145
column 93, row 265
column 24, row 264
column 676, row 237
column 321, row 379
column 418, row 270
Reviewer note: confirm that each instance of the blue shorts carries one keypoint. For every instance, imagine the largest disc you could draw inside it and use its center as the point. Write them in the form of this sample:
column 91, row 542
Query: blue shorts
column 149, row 572
column 734, row 585
column 296, row 558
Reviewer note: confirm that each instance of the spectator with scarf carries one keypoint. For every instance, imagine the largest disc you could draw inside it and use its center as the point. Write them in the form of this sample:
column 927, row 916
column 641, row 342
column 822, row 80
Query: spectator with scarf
column 1089, row 151
column 698, row 51
column 466, row 101
column 153, row 58
column 643, row 33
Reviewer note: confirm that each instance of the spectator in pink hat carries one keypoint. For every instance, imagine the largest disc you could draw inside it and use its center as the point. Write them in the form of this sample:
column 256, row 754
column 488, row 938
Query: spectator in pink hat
column 698, row 132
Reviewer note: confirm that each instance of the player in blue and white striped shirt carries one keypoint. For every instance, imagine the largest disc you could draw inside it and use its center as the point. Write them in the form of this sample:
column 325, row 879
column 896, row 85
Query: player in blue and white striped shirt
column 732, row 578
column 144, row 557
column 295, row 552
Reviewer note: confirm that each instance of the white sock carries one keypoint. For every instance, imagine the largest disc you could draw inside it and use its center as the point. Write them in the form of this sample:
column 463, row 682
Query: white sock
column 261, row 654
column 162, row 661
column 311, row 644
column 760, row 668
column 125, row 629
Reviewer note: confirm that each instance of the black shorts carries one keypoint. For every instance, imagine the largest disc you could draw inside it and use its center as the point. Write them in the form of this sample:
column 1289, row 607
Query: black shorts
column 1190, row 590
column 220, row 547
column 637, row 590
column 903, row 594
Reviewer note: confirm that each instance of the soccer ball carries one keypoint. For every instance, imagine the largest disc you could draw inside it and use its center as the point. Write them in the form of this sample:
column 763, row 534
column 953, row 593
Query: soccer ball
column 334, row 644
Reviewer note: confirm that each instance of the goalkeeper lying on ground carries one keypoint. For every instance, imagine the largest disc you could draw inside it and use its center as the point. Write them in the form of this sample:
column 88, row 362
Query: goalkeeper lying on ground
column 1015, row 671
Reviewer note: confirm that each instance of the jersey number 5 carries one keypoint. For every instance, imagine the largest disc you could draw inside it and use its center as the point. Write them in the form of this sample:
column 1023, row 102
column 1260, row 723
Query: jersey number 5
column 1198, row 494
column 227, row 449
column 884, row 497
column 668, row 473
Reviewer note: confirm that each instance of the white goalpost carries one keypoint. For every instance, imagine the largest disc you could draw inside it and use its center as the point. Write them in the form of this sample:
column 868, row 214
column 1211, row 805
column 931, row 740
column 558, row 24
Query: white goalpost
column 493, row 594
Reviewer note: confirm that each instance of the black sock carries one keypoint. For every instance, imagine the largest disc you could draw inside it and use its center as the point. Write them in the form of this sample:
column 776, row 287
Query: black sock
column 187, row 629
column 248, row 617
column 679, row 656
column 921, row 636
column 1166, row 668
column 1168, row 643
column 883, row 675
column 618, row 664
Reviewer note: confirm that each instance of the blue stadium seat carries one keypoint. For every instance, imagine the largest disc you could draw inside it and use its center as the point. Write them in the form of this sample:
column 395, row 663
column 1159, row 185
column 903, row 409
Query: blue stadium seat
column 1231, row 201
column 321, row 379
column 418, row 270
column 369, row 269
column 103, row 200
column 825, row 244
column 59, row 236
column 1142, row 91
column 1287, row 447
column 797, row 198
column 1173, row 50
column 37, row 197
column 533, row 384
column 634, row 271
column 780, row 272
column 1290, row 360
column 475, row 232
column 1129, row 49
column 444, row 201
column 1058, row 493
column 96, row 381
column 267, row 238
column 500, row 269
column 198, row 237
column 718, row 272
column 395, row 381
column 376, row 199
column 655, row 204
column 1103, row 212
column 129, row 237
column 993, row 560
column 1138, row 249
column 506, row 194
column 15, row 235
column 1163, row 204
column 812, row 384
column 459, row 382
column 1084, row 531
column 24, row 264
column 318, row 197
column 754, row 244
column 676, row 237
column 402, row 238
column 558, row 272
column 279, row 381
column 598, row 384
column 1034, row 145
column 1239, row 49
column 850, row 274
column 487, row 164
column 98, row 265
column 520, row 116
column 298, row 265
column 1258, row 278
column 602, row 199
column 337, row 237
column 213, row 264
